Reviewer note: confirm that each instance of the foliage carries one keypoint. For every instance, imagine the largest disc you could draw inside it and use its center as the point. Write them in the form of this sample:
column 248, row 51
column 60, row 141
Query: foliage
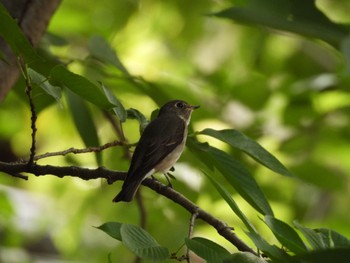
column 286, row 96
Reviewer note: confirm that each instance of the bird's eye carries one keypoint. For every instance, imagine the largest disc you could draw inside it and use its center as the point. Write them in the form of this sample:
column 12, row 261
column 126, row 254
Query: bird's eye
column 179, row 105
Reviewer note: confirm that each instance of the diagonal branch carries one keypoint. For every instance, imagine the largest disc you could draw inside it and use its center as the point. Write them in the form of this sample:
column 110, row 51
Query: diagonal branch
column 112, row 176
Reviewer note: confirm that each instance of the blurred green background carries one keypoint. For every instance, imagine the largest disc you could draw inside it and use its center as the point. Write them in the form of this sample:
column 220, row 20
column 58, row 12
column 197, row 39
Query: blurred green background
column 289, row 93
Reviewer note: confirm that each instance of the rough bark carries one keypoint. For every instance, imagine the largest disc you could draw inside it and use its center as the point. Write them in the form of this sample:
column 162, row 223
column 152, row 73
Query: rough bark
column 33, row 17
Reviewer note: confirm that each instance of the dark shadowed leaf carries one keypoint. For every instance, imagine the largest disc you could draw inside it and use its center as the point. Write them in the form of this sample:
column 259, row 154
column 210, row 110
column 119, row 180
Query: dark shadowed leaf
column 314, row 238
column 229, row 200
column 244, row 257
column 84, row 123
column 13, row 36
column 332, row 238
column 234, row 172
column 80, row 86
column 100, row 49
column 297, row 16
column 207, row 249
column 286, row 235
column 273, row 252
column 338, row 255
column 240, row 141
column 142, row 243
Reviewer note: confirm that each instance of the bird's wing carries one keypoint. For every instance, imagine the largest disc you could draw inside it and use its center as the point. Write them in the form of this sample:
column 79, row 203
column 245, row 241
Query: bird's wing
column 159, row 139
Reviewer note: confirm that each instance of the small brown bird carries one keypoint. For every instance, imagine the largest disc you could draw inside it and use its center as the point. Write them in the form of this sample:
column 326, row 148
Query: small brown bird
column 160, row 146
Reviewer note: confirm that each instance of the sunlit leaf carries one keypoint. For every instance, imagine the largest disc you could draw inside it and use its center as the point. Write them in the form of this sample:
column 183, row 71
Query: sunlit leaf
column 142, row 243
column 80, row 86
column 135, row 114
column 43, row 82
column 119, row 109
column 240, row 141
column 286, row 235
column 207, row 249
column 112, row 229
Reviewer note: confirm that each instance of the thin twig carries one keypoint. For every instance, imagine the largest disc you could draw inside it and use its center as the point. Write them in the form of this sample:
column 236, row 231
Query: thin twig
column 190, row 232
column 79, row 151
column 33, row 117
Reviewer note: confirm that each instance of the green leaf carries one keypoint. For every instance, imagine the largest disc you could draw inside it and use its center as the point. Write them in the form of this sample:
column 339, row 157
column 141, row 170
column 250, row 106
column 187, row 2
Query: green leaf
column 332, row 238
column 112, row 229
column 240, row 141
column 286, row 235
column 234, row 172
column 43, row 82
column 226, row 195
column 271, row 251
column 297, row 16
column 100, row 49
column 84, row 123
column 80, row 86
column 14, row 37
column 119, row 110
column 338, row 255
column 142, row 243
column 135, row 114
column 207, row 249
column 314, row 238
column 244, row 257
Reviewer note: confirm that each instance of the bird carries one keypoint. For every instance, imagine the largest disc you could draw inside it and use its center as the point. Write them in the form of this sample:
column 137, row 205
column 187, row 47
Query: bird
column 160, row 146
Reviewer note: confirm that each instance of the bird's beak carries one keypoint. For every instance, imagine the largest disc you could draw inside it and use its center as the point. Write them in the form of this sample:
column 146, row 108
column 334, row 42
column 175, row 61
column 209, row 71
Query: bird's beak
column 194, row 107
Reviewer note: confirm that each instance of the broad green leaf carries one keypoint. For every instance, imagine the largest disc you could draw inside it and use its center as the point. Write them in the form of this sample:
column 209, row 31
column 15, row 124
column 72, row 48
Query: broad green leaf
column 119, row 109
column 240, row 141
column 207, row 249
column 301, row 17
column 332, row 238
column 314, row 238
column 142, row 243
column 100, row 49
column 112, row 229
column 81, row 86
column 13, row 36
column 273, row 252
column 234, row 172
column 84, row 123
column 43, row 82
column 244, row 257
column 135, row 114
column 336, row 255
column 229, row 200
column 286, row 235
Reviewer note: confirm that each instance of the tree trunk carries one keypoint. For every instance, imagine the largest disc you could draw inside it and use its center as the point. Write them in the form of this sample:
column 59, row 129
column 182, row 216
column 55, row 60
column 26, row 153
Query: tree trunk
column 33, row 17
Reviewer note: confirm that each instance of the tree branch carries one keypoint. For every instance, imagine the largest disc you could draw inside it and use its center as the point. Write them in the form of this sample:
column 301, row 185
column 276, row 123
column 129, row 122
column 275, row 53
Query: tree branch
column 112, row 176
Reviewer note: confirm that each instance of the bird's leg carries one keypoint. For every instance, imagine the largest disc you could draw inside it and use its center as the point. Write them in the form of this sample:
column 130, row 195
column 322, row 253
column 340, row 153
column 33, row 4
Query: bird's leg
column 167, row 175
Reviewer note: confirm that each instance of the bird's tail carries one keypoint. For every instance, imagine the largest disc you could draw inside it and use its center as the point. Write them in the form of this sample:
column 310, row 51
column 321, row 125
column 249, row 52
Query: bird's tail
column 127, row 193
